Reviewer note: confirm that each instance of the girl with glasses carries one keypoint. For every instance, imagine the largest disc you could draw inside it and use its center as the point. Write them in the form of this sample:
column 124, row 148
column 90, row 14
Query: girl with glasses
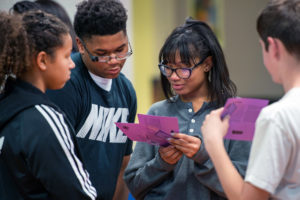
column 195, row 80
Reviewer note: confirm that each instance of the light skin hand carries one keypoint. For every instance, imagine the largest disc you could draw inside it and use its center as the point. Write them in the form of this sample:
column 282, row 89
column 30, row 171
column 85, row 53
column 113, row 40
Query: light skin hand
column 170, row 154
column 214, row 129
column 187, row 144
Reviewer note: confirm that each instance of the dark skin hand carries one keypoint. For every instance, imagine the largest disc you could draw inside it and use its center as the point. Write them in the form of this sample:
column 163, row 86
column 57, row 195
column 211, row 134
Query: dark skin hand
column 187, row 144
column 170, row 154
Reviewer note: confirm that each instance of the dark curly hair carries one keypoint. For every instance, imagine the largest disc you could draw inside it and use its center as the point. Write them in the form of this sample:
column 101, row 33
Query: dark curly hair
column 48, row 6
column 53, row 7
column 23, row 6
column 44, row 32
column 99, row 17
column 23, row 38
column 14, row 49
column 195, row 39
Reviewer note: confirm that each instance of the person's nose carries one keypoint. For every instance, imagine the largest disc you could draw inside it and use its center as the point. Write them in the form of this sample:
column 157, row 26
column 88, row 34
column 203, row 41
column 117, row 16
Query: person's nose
column 174, row 76
column 113, row 59
column 72, row 64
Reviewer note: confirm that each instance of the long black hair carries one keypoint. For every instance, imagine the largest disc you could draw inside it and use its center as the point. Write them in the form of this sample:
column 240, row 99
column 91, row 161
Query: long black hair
column 195, row 39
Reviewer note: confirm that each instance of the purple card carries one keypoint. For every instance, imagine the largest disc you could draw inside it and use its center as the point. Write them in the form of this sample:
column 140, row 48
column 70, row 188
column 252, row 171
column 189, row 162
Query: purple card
column 243, row 114
column 135, row 132
column 153, row 130
column 166, row 124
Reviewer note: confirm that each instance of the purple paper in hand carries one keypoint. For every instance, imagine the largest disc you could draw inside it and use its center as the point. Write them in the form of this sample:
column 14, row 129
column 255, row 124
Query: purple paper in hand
column 243, row 113
column 153, row 130
column 135, row 132
column 165, row 127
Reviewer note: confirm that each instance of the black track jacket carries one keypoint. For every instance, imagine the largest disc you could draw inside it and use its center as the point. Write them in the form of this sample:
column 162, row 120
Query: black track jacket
column 39, row 158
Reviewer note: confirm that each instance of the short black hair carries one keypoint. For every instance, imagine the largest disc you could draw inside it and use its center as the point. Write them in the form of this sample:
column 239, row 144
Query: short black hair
column 192, row 40
column 281, row 19
column 99, row 17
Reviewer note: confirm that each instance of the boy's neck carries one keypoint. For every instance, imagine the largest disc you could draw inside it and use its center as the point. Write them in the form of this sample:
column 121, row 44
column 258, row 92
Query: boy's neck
column 291, row 76
column 293, row 83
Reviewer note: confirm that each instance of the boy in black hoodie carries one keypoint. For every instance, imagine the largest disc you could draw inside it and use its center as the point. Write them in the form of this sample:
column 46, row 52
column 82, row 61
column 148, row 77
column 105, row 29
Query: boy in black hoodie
column 39, row 158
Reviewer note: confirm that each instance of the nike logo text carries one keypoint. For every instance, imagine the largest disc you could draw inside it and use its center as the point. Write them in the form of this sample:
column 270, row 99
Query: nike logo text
column 101, row 124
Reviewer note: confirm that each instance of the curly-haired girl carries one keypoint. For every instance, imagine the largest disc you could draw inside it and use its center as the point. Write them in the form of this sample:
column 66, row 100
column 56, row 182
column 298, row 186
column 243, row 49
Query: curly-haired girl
column 38, row 156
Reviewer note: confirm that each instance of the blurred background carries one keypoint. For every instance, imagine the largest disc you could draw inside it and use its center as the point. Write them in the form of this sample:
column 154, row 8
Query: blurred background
column 151, row 21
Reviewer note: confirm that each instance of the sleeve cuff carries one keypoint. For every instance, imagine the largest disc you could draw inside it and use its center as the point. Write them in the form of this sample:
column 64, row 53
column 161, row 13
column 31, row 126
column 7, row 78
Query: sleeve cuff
column 201, row 156
column 162, row 164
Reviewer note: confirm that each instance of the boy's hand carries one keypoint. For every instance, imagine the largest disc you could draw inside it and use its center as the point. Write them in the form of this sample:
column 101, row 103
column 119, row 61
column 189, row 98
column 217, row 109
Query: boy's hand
column 214, row 129
column 170, row 154
column 187, row 144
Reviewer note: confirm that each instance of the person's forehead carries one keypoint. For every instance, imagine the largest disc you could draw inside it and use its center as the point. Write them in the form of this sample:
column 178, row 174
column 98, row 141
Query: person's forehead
column 107, row 42
column 176, row 58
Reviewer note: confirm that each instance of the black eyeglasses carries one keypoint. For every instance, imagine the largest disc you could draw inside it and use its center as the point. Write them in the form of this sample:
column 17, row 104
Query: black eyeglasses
column 105, row 59
column 183, row 73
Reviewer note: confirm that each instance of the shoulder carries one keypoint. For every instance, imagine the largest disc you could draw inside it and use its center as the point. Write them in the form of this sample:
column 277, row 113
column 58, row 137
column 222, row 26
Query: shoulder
column 38, row 123
column 270, row 119
column 161, row 108
column 39, row 116
column 125, row 85
column 279, row 120
column 122, row 79
column 79, row 73
column 280, row 110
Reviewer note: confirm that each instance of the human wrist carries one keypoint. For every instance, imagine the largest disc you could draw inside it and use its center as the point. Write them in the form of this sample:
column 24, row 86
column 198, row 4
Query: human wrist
column 213, row 147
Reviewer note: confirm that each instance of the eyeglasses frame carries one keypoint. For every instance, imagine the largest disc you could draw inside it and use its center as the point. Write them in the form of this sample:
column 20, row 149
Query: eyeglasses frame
column 190, row 69
column 96, row 58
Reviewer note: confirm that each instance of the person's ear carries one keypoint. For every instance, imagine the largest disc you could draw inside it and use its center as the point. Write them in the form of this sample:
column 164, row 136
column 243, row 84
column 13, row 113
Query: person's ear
column 80, row 45
column 208, row 64
column 41, row 60
column 273, row 47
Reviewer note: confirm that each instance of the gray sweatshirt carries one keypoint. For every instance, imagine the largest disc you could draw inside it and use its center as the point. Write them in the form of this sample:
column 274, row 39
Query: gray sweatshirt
column 148, row 176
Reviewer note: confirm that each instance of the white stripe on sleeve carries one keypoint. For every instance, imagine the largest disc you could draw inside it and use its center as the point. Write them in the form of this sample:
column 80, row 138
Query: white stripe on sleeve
column 67, row 137
column 61, row 137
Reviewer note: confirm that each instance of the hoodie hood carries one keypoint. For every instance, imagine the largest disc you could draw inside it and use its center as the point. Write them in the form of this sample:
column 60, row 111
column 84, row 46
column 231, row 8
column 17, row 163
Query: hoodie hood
column 18, row 96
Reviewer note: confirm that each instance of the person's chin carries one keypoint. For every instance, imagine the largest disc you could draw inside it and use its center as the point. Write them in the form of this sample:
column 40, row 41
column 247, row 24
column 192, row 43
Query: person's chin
column 181, row 91
column 58, row 86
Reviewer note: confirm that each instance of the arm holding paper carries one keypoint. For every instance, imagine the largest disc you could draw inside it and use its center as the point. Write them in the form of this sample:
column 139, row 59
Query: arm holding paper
column 148, row 173
column 214, row 129
column 218, row 125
